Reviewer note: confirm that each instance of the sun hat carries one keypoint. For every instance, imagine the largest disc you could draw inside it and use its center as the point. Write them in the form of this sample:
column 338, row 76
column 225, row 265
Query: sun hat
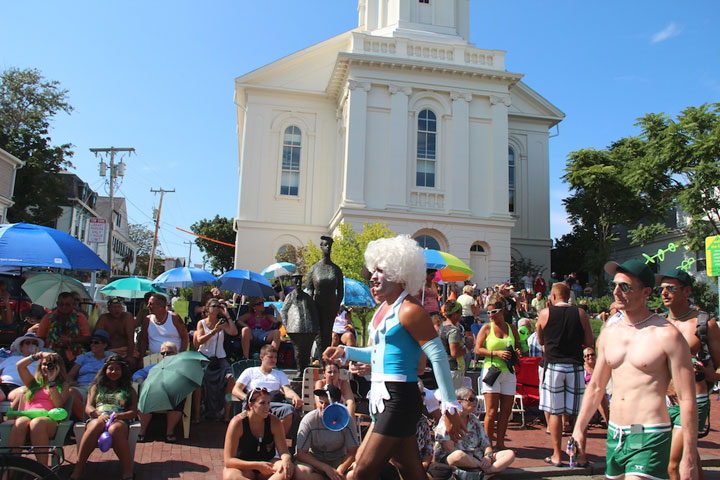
column 15, row 346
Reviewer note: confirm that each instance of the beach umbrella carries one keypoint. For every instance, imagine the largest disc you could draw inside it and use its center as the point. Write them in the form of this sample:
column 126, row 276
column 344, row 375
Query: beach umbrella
column 171, row 380
column 182, row 277
column 434, row 259
column 44, row 288
column 449, row 267
column 28, row 245
column 130, row 287
column 245, row 282
column 357, row 294
column 279, row 269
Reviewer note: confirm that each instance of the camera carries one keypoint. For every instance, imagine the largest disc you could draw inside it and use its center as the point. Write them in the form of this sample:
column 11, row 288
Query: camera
column 50, row 365
column 222, row 320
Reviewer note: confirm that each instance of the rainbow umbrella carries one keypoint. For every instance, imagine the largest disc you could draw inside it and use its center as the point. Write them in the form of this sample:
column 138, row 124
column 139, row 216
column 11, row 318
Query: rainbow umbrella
column 449, row 267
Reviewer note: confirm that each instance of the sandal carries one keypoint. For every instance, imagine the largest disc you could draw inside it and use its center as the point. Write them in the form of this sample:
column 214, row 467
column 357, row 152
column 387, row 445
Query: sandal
column 549, row 461
column 170, row 438
column 140, row 438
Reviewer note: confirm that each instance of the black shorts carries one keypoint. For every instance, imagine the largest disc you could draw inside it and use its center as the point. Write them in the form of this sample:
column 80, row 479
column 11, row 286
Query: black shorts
column 402, row 411
column 8, row 387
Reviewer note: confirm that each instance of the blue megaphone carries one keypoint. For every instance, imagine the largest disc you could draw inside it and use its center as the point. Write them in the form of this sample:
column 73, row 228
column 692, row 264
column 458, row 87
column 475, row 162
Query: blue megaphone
column 335, row 417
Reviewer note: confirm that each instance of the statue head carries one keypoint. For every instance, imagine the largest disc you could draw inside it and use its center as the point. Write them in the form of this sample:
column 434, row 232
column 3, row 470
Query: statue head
column 326, row 245
column 297, row 281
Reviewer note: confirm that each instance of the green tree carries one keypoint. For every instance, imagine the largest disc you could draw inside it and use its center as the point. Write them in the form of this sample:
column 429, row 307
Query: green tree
column 348, row 250
column 143, row 236
column 221, row 257
column 28, row 103
column 681, row 164
column 602, row 198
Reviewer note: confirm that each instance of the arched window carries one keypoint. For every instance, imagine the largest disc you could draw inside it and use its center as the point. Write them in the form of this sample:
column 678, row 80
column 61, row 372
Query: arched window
column 426, row 149
column 426, row 241
column 290, row 180
column 511, row 179
column 477, row 248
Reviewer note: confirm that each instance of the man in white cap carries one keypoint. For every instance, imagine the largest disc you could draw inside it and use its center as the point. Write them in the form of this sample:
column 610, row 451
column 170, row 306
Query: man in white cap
column 642, row 352
column 21, row 347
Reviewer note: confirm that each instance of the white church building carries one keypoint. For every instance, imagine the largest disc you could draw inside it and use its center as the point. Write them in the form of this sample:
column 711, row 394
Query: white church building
column 404, row 121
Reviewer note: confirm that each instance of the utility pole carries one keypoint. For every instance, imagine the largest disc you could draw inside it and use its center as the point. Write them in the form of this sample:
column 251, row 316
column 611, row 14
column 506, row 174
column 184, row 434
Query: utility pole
column 188, row 242
column 157, row 227
column 116, row 170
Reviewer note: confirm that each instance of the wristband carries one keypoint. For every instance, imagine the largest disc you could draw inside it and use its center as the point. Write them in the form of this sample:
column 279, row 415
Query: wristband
column 35, row 357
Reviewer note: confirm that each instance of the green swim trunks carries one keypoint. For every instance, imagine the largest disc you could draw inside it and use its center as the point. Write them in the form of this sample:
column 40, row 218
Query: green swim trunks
column 643, row 454
column 703, row 407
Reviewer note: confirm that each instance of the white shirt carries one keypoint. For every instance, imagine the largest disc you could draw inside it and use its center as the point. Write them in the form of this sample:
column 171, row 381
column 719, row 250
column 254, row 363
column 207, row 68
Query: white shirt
column 9, row 370
column 253, row 377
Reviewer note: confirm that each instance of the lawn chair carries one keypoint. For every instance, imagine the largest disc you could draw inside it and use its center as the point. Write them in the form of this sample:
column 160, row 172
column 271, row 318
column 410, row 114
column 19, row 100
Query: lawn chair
column 155, row 358
column 237, row 368
column 134, row 430
column 310, row 376
column 528, row 382
column 57, row 441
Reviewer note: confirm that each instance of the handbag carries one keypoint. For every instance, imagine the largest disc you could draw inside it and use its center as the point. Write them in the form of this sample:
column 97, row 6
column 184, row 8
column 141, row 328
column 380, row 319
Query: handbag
column 492, row 375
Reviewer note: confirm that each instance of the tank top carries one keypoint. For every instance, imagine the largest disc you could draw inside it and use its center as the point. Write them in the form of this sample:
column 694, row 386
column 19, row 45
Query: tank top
column 255, row 449
column 40, row 400
column 564, row 336
column 109, row 402
column 430, row 302
column 214, row 346
column 264, row 324
column 158, row 334
column 497, row 344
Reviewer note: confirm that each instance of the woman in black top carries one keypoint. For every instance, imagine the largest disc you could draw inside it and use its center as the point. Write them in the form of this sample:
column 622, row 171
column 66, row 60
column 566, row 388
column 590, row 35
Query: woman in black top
column 251, row 440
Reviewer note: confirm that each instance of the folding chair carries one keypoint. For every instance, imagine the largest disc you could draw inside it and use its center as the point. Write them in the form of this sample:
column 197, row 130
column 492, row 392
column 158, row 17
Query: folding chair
column 237, row 368
column 310, row 376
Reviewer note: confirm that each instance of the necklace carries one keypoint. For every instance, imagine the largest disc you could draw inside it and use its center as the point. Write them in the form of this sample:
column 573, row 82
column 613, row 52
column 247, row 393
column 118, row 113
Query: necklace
column 636, row 324
column 680, row 317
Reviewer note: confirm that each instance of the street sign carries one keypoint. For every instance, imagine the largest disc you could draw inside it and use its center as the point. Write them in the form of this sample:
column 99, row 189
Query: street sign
column 712, row 255
column 96, row 231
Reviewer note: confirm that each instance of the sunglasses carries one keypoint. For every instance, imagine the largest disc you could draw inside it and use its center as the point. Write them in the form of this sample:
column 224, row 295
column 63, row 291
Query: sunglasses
column 624, row 287
column 165, row 354
column 589, row 355
column 494, row 311
column 670, row 288
column 470, row 400
column 256, row 390
column 64, row 304
column 96, row 342
column 30, row 342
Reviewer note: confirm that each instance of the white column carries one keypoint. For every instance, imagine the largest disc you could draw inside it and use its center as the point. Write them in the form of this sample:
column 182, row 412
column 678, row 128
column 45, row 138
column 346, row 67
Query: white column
column 459, row 186
column 355, row 145
column 499, row 107
column 398, row 152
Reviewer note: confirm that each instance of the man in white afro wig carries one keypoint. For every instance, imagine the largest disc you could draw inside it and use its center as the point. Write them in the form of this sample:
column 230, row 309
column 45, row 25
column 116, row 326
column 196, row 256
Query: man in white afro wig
column 401, row 258
column 400, row 331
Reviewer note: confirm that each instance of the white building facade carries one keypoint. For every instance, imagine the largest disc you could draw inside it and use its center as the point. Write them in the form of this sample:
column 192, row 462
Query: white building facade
column 401, row 121
column 9, row 165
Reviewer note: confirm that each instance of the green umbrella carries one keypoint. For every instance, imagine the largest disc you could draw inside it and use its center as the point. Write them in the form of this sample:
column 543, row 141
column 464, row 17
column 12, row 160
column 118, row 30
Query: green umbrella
column 131, row 287
column 44, row 288
column 171, row 380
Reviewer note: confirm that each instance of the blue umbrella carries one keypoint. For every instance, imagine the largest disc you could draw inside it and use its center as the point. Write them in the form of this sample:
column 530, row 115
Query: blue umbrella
column 434, row 260
column 28, row 245
column 357, row 294
column 182, row 277
column 245, row 282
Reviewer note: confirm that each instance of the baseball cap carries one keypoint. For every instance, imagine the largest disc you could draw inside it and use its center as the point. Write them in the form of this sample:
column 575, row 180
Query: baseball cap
column 677, row 274
column 114, row 301
column 102, row 335
column 335, row 393
column 633, row 267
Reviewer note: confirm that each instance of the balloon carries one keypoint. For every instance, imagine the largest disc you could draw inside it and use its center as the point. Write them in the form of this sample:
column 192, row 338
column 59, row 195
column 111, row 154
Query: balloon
column 105, row 440
column 57, row 414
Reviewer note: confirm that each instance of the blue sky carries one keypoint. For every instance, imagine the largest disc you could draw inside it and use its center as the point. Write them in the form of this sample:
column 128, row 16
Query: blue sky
column 158, row 76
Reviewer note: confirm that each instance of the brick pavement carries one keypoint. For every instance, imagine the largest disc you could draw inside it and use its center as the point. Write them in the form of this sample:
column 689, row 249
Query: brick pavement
column 200, row 457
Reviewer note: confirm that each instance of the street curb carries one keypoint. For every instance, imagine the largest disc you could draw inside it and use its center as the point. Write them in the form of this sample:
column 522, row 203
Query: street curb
column 593, row 469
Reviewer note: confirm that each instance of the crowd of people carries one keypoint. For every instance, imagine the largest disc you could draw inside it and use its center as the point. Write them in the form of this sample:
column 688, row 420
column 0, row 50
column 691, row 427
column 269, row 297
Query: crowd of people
column 639, row 358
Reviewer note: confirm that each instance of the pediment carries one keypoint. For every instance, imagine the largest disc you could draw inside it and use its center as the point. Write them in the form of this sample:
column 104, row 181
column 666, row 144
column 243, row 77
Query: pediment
column 527, row 102
column 309, row 69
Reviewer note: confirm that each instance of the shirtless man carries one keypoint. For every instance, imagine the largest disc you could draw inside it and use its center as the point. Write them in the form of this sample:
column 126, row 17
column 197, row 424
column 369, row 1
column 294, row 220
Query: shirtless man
column 676, row 288
column 121, row 327
column 642, row 352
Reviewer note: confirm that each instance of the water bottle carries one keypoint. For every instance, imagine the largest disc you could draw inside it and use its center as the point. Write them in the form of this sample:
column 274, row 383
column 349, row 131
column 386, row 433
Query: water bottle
column 571, row 451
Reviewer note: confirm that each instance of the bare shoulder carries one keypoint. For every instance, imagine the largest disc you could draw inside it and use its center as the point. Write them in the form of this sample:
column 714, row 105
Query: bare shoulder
column 411, row 306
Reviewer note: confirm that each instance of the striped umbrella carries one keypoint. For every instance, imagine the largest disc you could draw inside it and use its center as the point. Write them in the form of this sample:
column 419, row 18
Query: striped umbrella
column 279, row 269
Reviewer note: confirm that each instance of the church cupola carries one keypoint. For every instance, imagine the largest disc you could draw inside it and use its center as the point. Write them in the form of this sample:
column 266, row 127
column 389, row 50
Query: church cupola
column 435, row 20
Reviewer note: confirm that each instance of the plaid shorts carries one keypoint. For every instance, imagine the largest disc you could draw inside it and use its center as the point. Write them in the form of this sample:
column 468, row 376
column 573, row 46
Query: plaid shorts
column 561, row 388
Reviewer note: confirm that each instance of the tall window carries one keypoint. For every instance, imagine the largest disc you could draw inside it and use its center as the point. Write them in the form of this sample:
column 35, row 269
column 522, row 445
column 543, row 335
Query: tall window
column 290, row 181
column 511, row 179
column 426, row 148
column 426, row 241
column 424, row 1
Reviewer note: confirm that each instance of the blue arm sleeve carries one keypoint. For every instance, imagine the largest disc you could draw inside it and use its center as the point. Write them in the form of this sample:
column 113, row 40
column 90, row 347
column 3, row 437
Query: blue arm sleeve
column 441, row 367
column 359, row 354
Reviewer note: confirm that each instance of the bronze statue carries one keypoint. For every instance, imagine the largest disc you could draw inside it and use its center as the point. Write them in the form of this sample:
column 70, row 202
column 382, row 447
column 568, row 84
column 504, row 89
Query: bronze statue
column 325, row 284
column 300, row 317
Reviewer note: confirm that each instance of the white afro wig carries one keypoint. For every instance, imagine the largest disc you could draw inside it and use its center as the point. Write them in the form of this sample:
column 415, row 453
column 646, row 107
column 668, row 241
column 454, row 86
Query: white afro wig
column 400, row 258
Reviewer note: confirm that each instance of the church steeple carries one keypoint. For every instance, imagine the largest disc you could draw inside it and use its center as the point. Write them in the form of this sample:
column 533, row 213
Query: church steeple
column 437, row 20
